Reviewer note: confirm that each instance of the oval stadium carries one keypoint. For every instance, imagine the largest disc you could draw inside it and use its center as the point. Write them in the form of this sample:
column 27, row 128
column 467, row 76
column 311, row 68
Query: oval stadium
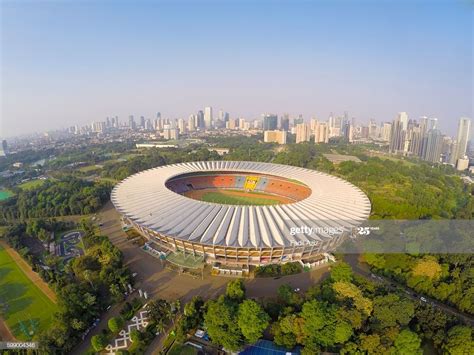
column 241, row 213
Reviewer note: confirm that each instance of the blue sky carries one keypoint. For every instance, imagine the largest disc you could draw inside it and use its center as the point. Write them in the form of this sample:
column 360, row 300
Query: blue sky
column 66, row 62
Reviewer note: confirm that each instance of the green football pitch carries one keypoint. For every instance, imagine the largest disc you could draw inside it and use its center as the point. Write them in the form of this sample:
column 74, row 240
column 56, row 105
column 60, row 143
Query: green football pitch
column 24, row 307
column 223, row 198
column 5, row 194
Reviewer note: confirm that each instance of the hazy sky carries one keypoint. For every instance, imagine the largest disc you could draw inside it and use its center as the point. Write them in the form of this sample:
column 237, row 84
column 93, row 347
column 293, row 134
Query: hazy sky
column 66, row 63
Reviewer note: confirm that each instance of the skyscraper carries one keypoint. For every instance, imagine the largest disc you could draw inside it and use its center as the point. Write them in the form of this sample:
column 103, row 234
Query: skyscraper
column 208, row 117
column 131, row 122
column 386, row 128
column 270, row 122
column 285, row 122
column 321, row 133
column 192, row 123
column 200, row 120
column 3, row 149
column 303, row 132
column 434, row 145
column 462, row 138
column 398, row 133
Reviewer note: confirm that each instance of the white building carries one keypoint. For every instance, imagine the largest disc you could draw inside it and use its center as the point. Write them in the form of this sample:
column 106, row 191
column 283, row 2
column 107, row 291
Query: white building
column 303, row 133
column 208, row 117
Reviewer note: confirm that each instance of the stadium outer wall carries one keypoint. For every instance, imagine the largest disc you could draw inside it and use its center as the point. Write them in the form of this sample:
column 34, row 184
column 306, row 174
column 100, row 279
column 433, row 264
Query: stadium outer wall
column 240, row 255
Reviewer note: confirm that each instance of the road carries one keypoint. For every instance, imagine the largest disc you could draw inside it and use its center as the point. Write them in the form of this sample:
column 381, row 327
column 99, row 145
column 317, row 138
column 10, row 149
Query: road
column 160, row 282
column 363, row 270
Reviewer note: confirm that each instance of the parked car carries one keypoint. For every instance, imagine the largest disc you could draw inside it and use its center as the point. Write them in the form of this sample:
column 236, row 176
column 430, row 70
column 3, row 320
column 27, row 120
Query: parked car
column 200, row 333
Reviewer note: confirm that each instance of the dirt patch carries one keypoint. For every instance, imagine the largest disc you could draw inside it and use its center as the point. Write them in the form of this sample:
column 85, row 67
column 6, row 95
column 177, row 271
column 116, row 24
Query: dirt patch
column 33, row 276
column 198, row 195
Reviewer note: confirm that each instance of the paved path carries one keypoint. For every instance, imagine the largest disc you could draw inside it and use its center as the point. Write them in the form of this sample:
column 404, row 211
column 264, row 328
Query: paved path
column 5, row 333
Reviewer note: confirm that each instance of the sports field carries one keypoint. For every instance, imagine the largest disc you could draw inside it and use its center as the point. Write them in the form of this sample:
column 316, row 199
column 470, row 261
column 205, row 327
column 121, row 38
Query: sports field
column 236, row 197
column 24, row 307
column 5, row 194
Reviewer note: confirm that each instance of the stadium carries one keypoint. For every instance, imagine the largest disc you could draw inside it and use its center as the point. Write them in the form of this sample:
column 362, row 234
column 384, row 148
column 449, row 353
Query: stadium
column 241, row 213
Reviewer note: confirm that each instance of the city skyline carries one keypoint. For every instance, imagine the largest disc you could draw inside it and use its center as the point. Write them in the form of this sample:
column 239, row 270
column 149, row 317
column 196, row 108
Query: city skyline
column 370, row 59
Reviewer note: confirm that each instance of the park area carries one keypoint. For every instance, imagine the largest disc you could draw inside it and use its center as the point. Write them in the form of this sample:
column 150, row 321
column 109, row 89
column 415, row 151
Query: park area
column 24, row 307
column 236, row 197
column 31, row 184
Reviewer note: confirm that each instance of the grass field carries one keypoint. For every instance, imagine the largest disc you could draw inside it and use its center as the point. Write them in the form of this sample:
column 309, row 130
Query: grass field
column 182, row 350
column 5, row 194
column 25, row 308
column 32, row 184
column 254, row 198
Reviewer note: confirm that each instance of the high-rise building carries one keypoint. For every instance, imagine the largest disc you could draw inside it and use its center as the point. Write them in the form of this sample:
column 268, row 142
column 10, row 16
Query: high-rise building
column 285, row 122
column 200, row 120
column 181, row 126
column 321, row 132
column 348, row 131
column 242, row 123
column 257, row 124
column 398, row 133
column 169, row 132
column 275, row 137
column 373, row 129
column 462, row 138
column 385, row 131
column 4, row 148
column 232, row 124
column 131, row 123
column 208, row 117
column 270, row 122
column 192, row 123
column 303, row 133
column 433, row 147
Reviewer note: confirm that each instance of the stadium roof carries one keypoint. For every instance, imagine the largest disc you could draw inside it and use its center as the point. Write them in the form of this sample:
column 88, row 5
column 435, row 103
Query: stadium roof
column 333, row 203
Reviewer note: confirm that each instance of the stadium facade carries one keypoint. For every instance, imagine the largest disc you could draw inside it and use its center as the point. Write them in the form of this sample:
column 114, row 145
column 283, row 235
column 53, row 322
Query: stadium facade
column 314, row 213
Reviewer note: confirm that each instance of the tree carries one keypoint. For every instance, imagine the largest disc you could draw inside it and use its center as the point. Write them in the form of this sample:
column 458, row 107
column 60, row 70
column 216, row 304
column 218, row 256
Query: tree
column 99, row 342
column 321, row 325
column 288, row 296
column 236, row 290
column 115, row 324
column 136, row 336
column 407, row 343
column 459, row 341
column 160, row 326
column 220, row 321
column 159, row 309
column 390, row 310
column 252, row 320
column 341, row 272
column 370, row 342
column 349, row 290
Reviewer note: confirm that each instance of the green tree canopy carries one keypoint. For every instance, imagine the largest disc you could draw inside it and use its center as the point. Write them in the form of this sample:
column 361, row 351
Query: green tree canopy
column 252, row 320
